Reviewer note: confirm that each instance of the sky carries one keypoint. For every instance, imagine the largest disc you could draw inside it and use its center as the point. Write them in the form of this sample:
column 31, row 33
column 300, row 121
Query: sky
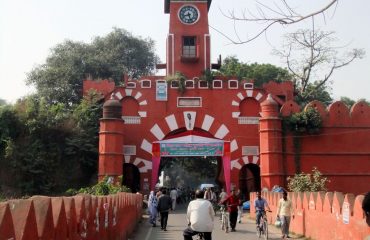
column 30, row 28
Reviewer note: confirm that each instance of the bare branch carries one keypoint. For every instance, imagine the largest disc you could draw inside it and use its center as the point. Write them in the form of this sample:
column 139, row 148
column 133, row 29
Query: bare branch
column 269, row 16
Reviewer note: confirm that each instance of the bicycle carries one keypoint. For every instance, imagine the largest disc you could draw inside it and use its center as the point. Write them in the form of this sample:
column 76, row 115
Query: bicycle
column 224, row 219
column 199, row 236
column 262, row 228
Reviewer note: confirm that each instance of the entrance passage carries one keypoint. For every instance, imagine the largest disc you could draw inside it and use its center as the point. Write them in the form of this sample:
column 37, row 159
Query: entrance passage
column 249, row 179
column 190, row 171
column 191, row 145
column 131, row 177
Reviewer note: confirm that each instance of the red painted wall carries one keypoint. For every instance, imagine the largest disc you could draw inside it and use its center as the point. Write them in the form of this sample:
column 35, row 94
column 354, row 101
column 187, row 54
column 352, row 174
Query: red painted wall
column 78, row 217
column 341, row 150
column 320, row 215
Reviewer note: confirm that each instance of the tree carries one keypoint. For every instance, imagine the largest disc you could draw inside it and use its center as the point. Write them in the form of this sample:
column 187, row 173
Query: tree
column 268, row 15
column 2, row 102
column 60, row 79
column 311, row 59
column 303, row 182
column 350, row 102
column 260, row 73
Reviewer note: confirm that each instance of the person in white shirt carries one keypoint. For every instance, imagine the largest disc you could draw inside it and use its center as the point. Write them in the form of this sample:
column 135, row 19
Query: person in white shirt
column 200, row 217
column 173, row 195
column 223, row 195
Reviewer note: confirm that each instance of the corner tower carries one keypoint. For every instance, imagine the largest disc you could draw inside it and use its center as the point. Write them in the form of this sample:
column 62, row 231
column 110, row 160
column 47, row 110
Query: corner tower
column 188, row 41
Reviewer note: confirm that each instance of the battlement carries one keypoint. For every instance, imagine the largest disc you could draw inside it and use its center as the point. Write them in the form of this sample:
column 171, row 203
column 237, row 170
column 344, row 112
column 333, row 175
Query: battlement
column 336, row 114
column 320, row 215
column 78, row 217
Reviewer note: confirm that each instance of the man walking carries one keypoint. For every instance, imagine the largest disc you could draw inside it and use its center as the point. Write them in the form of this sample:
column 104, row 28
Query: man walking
column 200, row 216
column 232, row 203
column 164, row 206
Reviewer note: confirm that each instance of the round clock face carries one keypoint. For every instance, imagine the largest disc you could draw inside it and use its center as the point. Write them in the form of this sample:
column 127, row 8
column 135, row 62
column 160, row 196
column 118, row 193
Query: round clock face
column 188, row 14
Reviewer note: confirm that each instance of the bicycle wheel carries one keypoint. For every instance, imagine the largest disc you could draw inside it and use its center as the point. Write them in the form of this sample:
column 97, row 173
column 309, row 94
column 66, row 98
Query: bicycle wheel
column 265, row 230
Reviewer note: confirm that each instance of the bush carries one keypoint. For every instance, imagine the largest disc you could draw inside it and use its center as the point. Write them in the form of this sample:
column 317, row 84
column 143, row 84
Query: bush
column 308, row 121
column 303, row 182
column 102, row 188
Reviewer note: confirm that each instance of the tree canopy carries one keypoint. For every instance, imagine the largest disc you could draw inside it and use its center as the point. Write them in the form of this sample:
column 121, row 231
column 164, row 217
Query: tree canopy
column 60, row 79
column 260, row 73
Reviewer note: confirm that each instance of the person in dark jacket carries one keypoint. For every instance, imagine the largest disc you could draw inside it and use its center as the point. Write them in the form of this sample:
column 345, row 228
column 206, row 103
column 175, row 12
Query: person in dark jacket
column 164, row 206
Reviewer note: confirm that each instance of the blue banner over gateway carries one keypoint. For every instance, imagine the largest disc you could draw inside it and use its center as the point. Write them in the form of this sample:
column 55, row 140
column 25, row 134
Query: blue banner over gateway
column 191, row 149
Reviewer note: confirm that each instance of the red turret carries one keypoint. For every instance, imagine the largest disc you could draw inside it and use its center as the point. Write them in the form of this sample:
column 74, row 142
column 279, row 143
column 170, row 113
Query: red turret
column 270, row 145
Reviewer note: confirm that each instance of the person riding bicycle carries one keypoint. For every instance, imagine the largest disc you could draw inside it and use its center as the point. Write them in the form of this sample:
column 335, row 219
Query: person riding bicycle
column 260, row 204
column 200, row 216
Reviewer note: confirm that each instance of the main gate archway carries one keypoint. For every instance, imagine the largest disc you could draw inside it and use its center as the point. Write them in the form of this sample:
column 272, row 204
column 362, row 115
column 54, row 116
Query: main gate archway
column 191, row 143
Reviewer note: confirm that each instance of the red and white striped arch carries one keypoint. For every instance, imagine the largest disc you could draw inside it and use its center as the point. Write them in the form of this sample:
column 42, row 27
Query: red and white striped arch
column 180, row 120
column 240, row 162
column 256, row 94
column 120, row 93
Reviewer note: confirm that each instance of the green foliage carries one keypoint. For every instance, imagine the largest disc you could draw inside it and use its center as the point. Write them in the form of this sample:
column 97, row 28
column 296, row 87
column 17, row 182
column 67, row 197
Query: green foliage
column 83, row 143
column 104, row 187
column 260, row 73
column 60, row 79
column 313, row 92
column 180, row 78
column 308, row 121
column 208, row 76
column 191, row 169
column 2, row 102
column 350, row 102
column 303, row 182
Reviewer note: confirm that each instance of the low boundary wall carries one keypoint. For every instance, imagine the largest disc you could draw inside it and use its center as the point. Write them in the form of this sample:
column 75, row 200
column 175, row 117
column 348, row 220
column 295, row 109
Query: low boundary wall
column 321, row 215
column 78, row 217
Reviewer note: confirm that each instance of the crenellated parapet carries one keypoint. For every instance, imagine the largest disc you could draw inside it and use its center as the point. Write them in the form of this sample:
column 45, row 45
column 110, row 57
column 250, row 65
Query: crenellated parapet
column 102, row 86
column 79, row 217
column 322, row 215
column 336, row 114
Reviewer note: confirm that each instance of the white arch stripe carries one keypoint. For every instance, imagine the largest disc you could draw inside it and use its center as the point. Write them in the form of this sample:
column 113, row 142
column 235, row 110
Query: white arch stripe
column 235, row 103
column 157, row 132
column 147, row 164
column 128, row 92
column 143, row 103
column 240, row 96
column 255, row 159
column 233, row 145
column 207, row 122
column 249, row 93
column 146, row 146
column 142, row 113
column 235, row 114
column 138, row 95
column 235, row 164
column 259, row 96
column 119, row 95
column 245, row 159
column 221, row 132
column 171, row 122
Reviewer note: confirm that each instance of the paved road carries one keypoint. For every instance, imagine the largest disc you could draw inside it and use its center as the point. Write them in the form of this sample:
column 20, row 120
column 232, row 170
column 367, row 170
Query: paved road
column 177, row 223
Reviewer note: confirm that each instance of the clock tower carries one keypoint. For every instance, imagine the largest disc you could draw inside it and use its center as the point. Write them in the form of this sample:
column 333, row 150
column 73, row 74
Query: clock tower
column 188, row 41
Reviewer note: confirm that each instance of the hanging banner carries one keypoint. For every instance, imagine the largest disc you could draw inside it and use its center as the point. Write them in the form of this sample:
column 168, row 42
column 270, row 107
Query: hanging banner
column 191, row 149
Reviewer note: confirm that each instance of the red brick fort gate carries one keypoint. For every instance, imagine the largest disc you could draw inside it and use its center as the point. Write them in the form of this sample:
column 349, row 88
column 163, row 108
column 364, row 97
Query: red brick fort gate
column 147, row 111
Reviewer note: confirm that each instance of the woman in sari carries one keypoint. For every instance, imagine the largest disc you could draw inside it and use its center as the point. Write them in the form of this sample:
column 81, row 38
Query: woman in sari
column 152, row 206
